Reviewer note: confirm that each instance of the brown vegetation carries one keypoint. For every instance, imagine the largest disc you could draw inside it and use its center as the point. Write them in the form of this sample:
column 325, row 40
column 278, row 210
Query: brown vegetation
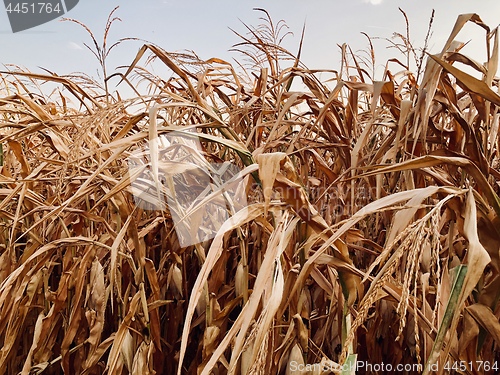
column 372, row 230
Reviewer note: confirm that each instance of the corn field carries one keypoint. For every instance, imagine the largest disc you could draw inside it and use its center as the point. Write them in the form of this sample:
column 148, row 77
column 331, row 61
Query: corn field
column 344, row 220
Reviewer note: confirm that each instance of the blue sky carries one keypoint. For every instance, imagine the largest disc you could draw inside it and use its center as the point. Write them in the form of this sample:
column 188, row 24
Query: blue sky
column 203, row 26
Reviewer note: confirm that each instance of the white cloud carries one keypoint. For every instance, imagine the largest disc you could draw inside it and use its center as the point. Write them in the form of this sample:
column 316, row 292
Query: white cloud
column 374, row 2
column 73, row 45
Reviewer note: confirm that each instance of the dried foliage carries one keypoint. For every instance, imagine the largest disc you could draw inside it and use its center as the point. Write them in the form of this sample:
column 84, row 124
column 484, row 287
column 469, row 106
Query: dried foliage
column 371, row 232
